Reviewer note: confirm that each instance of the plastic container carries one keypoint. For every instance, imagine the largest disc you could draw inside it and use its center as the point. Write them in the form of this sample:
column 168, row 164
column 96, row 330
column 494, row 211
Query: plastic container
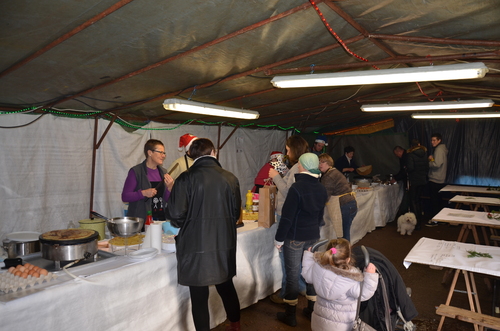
column 249, row 202
column 96, row 224
column 125, row 209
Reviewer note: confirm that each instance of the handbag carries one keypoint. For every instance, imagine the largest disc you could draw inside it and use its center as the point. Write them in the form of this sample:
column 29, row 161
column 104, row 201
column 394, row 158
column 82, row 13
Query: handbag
column 359, row 325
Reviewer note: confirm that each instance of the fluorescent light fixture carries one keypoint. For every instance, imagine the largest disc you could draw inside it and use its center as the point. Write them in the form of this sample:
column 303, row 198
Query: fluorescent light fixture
column 195, row 107
column 384, row 76
column 455, row 115
column 462, row 104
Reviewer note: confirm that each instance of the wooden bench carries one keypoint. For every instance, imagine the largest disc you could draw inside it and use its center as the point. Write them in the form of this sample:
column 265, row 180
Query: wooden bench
column 469, row 316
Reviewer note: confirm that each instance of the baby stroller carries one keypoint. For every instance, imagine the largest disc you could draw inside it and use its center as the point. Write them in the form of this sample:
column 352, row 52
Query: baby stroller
column 390, row 308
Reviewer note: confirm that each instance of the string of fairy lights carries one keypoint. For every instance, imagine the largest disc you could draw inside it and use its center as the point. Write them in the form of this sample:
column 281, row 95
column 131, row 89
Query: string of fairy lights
column 139, row 127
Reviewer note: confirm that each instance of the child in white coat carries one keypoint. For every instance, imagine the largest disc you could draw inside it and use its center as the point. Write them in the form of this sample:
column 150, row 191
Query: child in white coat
column 337, row 284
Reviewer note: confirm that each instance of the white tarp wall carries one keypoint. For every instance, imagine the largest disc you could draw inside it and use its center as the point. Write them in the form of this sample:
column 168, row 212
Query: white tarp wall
column 45, row 168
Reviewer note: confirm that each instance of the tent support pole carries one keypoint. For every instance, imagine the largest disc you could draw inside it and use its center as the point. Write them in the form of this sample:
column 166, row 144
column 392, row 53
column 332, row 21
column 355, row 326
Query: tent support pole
column 219, row 145
column 92, row 178
column 95, row 146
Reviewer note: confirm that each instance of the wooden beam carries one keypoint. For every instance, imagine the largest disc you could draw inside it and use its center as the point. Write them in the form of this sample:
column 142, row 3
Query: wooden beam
column 430, row 40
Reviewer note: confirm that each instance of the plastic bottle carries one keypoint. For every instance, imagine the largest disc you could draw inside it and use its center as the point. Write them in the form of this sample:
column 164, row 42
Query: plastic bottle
column 249, row 203
column 149, row 219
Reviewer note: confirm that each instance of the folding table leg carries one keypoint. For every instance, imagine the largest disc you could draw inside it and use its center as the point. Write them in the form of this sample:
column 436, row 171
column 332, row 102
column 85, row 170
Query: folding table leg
column 469, row 281
column 485, row 236
column 450, row 294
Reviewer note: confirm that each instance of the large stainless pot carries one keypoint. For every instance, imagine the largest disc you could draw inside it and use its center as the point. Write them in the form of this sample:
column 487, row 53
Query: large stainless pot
column 69, row 250
column 22, row 243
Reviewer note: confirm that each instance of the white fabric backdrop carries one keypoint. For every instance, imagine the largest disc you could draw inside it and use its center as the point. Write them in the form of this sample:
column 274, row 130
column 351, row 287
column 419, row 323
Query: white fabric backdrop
column 45, row 169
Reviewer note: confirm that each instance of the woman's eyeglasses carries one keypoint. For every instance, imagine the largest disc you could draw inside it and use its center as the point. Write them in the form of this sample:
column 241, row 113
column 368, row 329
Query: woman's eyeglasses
column 162, row 153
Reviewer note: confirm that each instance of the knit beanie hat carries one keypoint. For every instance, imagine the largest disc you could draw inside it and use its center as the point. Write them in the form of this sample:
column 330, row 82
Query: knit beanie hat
column 185, row 142
column 310, row 162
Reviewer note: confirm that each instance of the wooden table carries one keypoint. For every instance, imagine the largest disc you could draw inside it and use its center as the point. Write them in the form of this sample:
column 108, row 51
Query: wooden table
column 475, row 202
column 469, row 220
column 465, row 190
column 452, row 254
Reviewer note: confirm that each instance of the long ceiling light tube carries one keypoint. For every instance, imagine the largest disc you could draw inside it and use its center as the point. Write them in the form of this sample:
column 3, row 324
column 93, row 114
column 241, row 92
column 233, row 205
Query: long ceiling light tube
column 202, row 108
column 436, row 105
column 384, row 76
column 455, row 115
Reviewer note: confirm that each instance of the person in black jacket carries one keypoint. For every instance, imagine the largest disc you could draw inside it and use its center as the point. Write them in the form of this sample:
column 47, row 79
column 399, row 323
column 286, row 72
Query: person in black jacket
column 417, row 167
column 402, row 178
column 205, row 204
column 345, row 164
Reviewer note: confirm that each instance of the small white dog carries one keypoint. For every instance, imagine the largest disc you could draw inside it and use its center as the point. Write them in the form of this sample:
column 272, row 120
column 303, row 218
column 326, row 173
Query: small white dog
column 406, row 223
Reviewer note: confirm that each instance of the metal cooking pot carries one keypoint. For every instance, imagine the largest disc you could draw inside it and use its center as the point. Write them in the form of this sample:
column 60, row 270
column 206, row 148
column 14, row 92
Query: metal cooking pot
column 69, row 250
column 22, row 243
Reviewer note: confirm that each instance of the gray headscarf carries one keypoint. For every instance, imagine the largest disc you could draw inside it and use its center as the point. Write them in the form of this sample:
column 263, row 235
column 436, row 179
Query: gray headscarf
column 310, row 162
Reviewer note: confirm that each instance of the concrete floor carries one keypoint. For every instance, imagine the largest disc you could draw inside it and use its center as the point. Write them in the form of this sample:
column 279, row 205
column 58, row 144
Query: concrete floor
column 428, row 292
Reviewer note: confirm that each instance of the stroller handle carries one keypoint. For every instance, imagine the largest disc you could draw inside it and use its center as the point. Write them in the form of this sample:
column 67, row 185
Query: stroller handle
column 317, row 245
column 366, row 254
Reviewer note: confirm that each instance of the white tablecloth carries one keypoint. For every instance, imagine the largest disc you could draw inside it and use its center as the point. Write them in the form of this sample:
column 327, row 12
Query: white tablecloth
column 144, row 295
column 376, row 208
column 466, row 217
column 452, row 254
column 468, row 199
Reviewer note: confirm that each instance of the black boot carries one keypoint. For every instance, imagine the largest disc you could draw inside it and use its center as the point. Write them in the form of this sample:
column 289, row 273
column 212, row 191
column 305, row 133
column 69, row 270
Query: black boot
column 307, row 311
column 288, row 317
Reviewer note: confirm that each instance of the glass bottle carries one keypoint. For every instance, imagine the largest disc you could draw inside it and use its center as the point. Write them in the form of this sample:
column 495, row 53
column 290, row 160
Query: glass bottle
column 255, row 205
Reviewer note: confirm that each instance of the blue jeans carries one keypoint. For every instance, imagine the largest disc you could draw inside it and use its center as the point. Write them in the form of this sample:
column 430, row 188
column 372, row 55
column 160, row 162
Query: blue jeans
column 292, row 254
column 348, row 211
column 302, row 282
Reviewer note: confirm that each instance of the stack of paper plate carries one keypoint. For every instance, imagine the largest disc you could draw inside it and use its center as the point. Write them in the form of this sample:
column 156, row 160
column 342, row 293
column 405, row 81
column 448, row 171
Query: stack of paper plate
column 143, row 254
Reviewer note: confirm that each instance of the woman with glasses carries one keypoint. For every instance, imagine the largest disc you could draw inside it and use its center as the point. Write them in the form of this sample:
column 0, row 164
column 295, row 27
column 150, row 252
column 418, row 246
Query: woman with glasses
column 148, row 184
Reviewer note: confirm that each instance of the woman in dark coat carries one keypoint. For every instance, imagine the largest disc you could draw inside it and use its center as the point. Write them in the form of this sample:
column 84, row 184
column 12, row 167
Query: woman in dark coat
column 205, row 204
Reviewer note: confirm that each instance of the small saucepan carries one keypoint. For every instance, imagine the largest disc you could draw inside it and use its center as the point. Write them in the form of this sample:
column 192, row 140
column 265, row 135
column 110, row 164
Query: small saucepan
column 18, row 244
